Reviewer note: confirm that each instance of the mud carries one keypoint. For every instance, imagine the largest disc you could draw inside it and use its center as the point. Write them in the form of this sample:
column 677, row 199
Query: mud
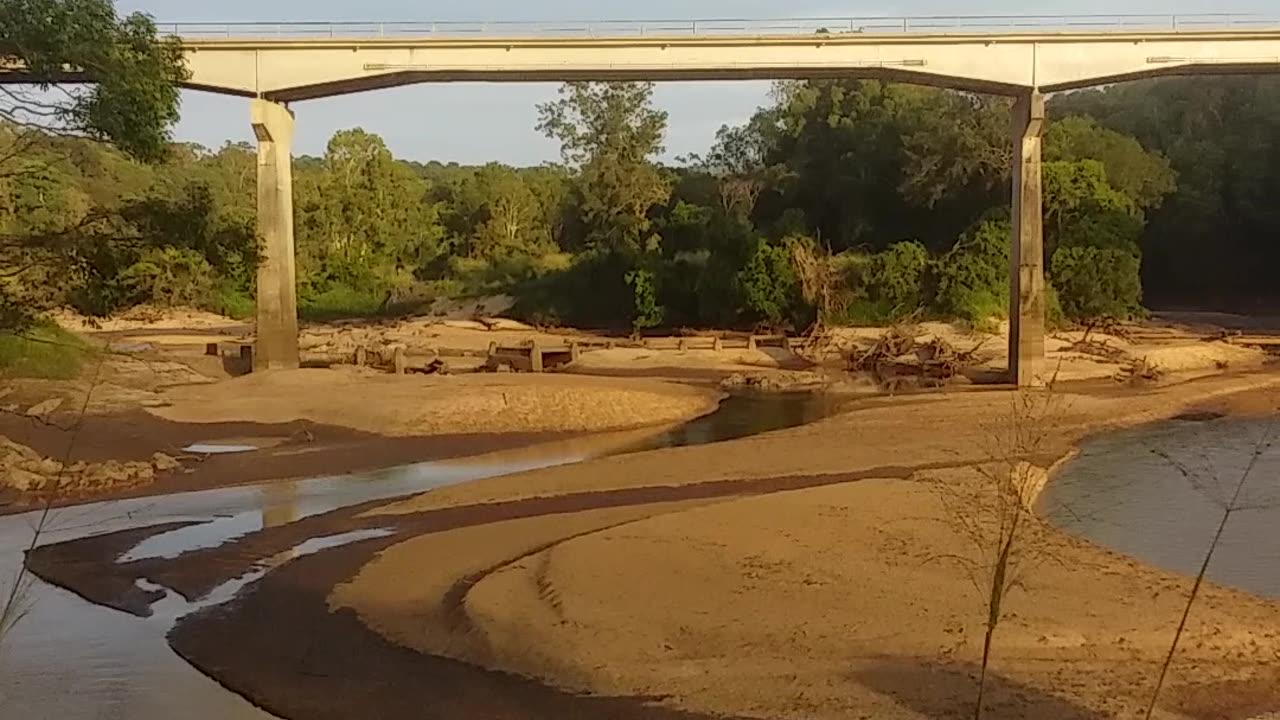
column 305, row 449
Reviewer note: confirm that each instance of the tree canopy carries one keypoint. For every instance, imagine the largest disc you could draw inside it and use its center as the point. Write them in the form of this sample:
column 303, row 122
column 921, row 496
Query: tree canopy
column 838, row 201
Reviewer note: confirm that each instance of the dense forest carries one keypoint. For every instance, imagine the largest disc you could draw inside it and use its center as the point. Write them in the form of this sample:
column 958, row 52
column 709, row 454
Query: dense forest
column 845, row 201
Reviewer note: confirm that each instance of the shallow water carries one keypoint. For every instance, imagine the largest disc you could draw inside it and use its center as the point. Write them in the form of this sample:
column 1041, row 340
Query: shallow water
column 70, row 659
column 1159, row 492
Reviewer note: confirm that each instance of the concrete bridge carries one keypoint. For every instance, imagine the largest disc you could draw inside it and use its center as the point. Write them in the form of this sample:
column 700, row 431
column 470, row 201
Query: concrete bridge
column 277, row 65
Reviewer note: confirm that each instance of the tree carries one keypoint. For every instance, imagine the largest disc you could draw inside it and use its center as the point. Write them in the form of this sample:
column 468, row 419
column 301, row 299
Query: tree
column 87, row 73
column 126, row 79
column 495, row 213
column 1097, row 283
column 366, row 220
column 609, row 133
column 740, row 161
column 1212, row 240
column 1143, row 176
column 869, row 163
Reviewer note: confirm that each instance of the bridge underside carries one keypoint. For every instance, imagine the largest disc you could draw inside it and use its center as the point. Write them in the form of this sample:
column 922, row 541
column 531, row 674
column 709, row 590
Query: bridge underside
column 1021, row 65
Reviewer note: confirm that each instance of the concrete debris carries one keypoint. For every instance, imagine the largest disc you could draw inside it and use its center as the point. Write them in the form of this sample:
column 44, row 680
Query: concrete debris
column 44, row 408
column 25, row 470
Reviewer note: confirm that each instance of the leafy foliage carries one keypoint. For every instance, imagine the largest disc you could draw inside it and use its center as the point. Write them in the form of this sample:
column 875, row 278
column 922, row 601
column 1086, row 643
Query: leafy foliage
column 1094, row 283
column 1211, row 241
column 646, row 312
column 770, row 288
column 972, row 279
column 609, row 133
column 127, row 78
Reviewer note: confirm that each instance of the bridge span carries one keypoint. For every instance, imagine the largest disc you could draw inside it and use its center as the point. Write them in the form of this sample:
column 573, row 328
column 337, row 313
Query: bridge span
column 279, row 64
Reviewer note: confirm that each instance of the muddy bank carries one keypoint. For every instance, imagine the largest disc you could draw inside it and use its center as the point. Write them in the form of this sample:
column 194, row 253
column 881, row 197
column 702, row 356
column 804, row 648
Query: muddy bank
column 87, row 566
column 293, row 657
column 308, row 653
column 289, row 450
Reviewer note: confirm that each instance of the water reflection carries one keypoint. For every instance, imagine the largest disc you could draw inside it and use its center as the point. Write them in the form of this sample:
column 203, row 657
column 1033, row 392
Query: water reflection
column 1158, row 493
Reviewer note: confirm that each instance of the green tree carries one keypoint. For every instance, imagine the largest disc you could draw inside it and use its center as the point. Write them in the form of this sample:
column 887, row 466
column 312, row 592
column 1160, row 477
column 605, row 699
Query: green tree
column 365, row 219
column 646, row 311
column 495, row 213
column 1211, row 241
column 868, row 163
column 1145, row 177
column 126, row 79
column 609, row 133
column 87, row 73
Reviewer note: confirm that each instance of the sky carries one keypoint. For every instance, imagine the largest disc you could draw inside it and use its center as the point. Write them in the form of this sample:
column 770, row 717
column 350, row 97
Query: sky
column 477, row 123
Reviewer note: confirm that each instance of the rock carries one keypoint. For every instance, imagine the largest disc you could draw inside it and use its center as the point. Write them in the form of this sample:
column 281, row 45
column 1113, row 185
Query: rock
column 23, row 480
column 49, row 466
column 164, row 463
column 44, row 408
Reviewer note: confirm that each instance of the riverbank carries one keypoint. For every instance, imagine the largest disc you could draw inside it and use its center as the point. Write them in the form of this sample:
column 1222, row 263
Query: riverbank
column 314, row 422
column 737, row 595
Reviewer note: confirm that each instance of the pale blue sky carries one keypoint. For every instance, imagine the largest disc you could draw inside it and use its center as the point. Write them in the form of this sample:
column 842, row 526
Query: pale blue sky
column 473, row 123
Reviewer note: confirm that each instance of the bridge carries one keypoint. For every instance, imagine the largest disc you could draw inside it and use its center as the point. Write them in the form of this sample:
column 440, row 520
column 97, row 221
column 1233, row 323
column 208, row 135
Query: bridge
column 1025, row 57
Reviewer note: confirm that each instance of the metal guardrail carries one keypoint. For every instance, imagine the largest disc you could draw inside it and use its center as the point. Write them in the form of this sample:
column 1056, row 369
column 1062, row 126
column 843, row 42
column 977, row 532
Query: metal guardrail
column 935, row 24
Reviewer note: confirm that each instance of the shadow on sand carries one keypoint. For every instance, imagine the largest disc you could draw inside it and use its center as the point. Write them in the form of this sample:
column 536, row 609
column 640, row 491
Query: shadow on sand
column 949, row 691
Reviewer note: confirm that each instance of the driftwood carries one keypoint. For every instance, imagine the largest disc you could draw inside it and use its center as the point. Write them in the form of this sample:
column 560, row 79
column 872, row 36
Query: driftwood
column 896, row 355
column 1101, row 350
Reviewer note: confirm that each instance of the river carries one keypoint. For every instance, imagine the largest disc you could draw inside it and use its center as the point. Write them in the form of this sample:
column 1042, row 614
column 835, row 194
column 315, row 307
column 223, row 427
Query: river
column 1158, row 493
column 69, row 659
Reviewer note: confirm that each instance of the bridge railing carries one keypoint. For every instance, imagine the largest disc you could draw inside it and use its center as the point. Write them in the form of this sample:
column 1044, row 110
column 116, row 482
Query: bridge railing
column 935, row 24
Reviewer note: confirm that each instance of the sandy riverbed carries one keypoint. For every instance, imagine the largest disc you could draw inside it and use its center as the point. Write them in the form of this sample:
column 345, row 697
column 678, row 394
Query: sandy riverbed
column 823, row 601
column 421, row 405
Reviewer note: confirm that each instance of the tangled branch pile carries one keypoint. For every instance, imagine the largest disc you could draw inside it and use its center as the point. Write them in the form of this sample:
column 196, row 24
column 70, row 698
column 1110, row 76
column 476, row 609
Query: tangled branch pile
column 897, row 355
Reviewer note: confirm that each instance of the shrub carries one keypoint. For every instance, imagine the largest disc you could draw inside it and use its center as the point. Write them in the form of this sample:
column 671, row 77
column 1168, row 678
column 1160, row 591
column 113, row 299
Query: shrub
column 646, row 312
column 170, row 276
column 342, row 301
column 233, row 303
column 1094, row 283
column 591, row 292
column 886, row 286
column 770, row 290
column 971, row 281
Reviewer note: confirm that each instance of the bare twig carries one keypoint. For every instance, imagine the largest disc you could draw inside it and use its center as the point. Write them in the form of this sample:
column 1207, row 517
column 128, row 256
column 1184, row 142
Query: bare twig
column 14, row 608
column 1229, row 508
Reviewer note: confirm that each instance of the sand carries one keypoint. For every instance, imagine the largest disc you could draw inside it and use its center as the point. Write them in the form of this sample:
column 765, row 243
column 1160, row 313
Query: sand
column 828, row 602
column 882, row 432
column 419, row 405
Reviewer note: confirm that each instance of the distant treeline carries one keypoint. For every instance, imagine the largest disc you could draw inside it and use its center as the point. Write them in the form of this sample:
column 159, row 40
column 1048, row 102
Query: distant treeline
column 845, row 201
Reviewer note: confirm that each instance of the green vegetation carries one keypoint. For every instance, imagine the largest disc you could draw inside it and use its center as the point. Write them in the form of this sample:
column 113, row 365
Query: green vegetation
column 42, row 350
column 840, row 201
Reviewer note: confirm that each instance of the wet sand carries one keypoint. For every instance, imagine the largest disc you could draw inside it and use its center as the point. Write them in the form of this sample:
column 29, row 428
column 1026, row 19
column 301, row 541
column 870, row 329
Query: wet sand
column 305, row 449
column 281, row 645
column 293, row 650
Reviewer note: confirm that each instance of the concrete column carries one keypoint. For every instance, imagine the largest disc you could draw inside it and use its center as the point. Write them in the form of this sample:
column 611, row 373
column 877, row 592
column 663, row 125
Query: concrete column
column 277, row 332
column 1026, row 254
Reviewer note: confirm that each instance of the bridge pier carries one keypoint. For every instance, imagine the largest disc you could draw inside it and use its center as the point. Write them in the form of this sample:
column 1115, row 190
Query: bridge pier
column 277, row 327
column 1026, row 253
